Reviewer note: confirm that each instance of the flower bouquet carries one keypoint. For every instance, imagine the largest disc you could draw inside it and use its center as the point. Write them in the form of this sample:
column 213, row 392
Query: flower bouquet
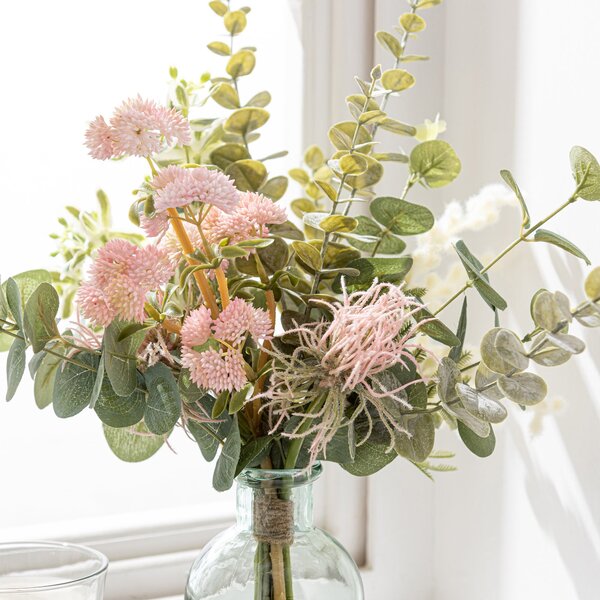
column 280, row 335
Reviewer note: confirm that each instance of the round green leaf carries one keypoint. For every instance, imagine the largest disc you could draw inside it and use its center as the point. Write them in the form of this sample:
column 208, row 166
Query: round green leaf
column 226, row 154
column 308, row 254
column 163, row 406
column 245, row 120
column 74, row 385
column 525, row 389
column 592, row 284
column 503, row 352
column 314, row 157
column 275, row 188
column 338, row 224
column 401, row 217
column 392, row 270
column 353, row 164
column 586, row 172
column 483, row 378
column 549, row 311
column 417, row 443
column 226, row 95
column 390, row 42
column 249, row 175
column 241, row 63
column 119, row 411
column 481, row 446
column 370, row 177
column 480, row 405
column 235, row 22
column 435, row 162
column 45, row 376
column 412, row 23
column 397, row 80
column 133, row 444
column 448, row 376
column 220, row 48
column 40, row 316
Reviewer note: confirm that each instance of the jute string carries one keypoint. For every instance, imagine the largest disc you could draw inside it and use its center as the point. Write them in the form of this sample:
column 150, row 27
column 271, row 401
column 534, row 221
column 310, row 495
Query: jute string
column 273, row 519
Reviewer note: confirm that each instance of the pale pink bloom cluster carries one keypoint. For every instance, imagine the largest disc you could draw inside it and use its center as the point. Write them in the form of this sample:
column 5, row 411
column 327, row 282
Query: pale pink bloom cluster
column 223, row 368
column 176, row 186
column 137, row 128
column 119, row 280
column 369, row 332
column 250, row 219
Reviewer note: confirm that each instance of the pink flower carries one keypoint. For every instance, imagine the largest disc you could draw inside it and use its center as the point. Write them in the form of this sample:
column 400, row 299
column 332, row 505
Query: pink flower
column 248, row 221
column 137, row 128
column 155, row 226
column 369, row 332
column 215, row 370
column 120, row 278
column 239, row 319
column 197, row 328
column 95, row 305
column 177, row 187
column 99, row 138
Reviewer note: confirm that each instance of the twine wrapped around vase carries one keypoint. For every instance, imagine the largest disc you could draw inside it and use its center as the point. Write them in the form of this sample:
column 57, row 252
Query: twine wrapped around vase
column 273, row 521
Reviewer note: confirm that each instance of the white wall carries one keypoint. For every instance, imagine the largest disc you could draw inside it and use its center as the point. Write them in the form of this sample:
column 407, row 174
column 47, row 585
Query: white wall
column 515, row 82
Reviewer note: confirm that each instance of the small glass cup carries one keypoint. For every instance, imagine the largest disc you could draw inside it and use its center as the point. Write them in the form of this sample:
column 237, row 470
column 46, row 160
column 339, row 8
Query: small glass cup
column 51, row 571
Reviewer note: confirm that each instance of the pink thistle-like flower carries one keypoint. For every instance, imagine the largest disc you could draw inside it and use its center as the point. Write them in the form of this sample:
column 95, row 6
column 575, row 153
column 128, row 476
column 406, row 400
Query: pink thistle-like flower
column 176, row 186
column 239, row 319
column 248, row 221
column 369, row 333
column 216, row 370
column 99, row 138
column 196, row 329
column 120, row 277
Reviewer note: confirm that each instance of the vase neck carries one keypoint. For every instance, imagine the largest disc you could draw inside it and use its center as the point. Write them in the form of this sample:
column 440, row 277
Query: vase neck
column 275, row 503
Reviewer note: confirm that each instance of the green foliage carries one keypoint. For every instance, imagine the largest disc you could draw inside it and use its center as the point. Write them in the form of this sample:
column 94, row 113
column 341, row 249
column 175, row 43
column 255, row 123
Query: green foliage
column 120, row 358
column 40, row 316
column 586, row 172
column 74, row 384
column 163, row 407
column 543, row 235
column 15, row 367
column 435, row 163
column 225, row 468
column 400, row 217
column 132, row 444
column 45, row 376
column 369, row 459
column 481, row 446
column 120, row 411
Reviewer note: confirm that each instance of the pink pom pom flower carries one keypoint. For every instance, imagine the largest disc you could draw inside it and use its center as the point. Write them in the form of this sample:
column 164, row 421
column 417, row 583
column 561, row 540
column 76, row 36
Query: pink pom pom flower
column 120, row 278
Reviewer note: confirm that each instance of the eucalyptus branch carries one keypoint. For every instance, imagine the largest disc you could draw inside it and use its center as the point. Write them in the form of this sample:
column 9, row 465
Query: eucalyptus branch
column 522, row 238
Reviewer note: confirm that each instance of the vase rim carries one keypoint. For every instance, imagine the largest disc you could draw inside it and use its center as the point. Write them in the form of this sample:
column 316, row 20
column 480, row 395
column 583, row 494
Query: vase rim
column 255, row 477
column 82, row 552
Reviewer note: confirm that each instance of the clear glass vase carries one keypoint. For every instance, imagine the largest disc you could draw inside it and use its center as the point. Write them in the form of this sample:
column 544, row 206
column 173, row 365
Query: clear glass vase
column 274, row 552
column 51, row 571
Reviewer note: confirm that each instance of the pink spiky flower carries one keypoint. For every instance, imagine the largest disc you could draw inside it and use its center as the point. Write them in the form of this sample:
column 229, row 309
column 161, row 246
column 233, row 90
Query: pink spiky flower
column 137, row 128
column 197, row 328
column 216, row 370
column 176, row 186
column 241, row 318
column 249, row 220
column 120, row 278
column 370, row 332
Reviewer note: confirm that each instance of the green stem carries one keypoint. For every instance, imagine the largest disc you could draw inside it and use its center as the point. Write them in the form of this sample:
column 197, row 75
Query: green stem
column 522, row 238
column 296, row 443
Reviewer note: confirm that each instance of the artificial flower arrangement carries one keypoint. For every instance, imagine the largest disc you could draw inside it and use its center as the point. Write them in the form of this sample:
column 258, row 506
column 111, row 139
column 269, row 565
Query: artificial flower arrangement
column 280, row 339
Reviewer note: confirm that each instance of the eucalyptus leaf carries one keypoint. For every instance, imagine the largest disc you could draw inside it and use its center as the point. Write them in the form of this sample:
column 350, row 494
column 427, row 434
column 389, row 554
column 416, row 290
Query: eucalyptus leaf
column 461, row 330
column 417, row 443
column 226, row 95
column 314, row 157
column 245, row 120
column 220, row 48
column 308, row 255
column 549, row 311
column 252, row 451
column 401, row 217
column 45, row 377
column 274, row 188
column 481, row 446
column 116, row 410
column 480, row 405
column 543, row 235
column 40, row 316
column 586, row 172
column 15, row 367
column 487, row 381
column 240, row 64
column 369, row 459
column 434, row 162
column 249, row 175
column 592, row 284
column 74, row 385
column 120, row 357
column 566, row 342
column 435, row 329
column 478, row 426
column 389, row 42
column 512, row 184
column 448, row 375
column 503, row 352
column 526, row 389
column 235, row 22
column 134, row 444
column 397, row 80
column 15, row 302
column 392, row 270
column 227, row 462
column 589, row 316
column 163, row 406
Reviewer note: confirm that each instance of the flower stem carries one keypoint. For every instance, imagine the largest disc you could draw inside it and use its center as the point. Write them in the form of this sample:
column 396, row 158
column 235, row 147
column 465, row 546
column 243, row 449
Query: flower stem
column 522, row 238
column 296, row 443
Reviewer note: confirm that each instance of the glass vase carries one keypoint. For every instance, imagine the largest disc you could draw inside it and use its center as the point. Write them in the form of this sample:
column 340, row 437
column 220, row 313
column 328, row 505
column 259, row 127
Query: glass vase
column 51, row 571
column 274, row 552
